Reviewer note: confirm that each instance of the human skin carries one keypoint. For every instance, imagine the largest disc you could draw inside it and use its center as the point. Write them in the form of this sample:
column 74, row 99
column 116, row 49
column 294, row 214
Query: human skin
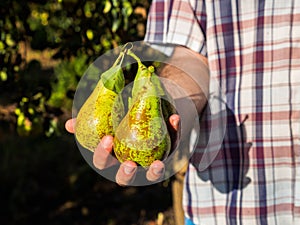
column 188, row 70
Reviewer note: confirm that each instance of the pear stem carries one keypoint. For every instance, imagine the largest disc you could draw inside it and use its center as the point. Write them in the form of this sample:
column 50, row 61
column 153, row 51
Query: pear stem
column 129, row 52
column 128, row 46
column 119, row 59
column 124, row 50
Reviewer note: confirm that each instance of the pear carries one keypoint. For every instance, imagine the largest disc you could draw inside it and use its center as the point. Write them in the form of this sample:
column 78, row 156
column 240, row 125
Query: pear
column 94, row 119
column 142, row 135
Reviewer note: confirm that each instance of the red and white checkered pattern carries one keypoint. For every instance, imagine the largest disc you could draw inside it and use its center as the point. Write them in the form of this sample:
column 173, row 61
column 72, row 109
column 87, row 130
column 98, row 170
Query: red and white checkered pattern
column 253, row 49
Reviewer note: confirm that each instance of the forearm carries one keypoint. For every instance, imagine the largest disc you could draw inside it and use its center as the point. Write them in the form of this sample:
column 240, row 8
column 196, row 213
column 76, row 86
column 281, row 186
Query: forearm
column 189, row 76
column 189, row 70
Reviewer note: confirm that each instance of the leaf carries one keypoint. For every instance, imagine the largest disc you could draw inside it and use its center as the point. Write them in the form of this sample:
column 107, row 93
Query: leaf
column 115, row 3
column 116, row 20
column 9, row 41
column 107, row 7
column 3, row 75
column 2, row 47
column 116, row 25
column 127, row 9
column 90, row 34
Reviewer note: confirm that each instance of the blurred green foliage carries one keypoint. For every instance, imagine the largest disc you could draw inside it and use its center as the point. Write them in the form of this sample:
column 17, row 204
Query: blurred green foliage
column 77, row 32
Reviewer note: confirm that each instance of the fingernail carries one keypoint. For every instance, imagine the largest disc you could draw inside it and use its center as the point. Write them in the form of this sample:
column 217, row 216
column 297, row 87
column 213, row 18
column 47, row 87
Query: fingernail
column 106, row 142
column 158, row 170
column 129, row 170
column 175, row 122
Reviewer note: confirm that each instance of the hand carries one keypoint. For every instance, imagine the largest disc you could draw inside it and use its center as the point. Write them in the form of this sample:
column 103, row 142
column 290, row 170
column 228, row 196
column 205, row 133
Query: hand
column 126, row 173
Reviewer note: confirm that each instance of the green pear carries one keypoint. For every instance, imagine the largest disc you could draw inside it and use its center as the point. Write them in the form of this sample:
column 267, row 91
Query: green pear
column 142, row 135
column 94, row 119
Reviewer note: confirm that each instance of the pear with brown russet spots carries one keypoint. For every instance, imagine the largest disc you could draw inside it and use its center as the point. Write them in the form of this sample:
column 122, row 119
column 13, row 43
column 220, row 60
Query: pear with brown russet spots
column 142, row 136
column 94, row 119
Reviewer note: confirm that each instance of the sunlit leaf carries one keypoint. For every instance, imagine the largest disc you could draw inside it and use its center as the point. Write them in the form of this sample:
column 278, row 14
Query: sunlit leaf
column 20, row 120
column 116, row 24
column 2, row 46
column 16, row 68
column 87, row 10
column 127, row 8
column 116, row 20
column 31, row 111
column 17, row 111
column 90, row 34
column 115, row 3
column 3, row 75
column 27, row 124
column 25, row 99
column 9, row 41
column 107, row 6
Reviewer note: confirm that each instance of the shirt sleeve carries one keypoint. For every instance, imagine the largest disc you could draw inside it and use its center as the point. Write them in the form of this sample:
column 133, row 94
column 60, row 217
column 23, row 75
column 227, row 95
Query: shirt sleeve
column 177, row 22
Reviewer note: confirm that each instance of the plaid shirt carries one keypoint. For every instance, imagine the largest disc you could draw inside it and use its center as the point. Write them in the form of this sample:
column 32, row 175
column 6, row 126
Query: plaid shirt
column 253, row 49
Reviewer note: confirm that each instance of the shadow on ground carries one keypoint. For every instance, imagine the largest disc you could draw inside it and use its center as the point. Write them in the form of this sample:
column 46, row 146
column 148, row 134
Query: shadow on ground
column 46, row 181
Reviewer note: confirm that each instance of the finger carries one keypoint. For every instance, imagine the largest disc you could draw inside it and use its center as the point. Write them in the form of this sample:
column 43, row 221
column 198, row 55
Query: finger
column 156, row 171
column 102, row 157
column 70, row 124
column 174, row 121
column 126, row 173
